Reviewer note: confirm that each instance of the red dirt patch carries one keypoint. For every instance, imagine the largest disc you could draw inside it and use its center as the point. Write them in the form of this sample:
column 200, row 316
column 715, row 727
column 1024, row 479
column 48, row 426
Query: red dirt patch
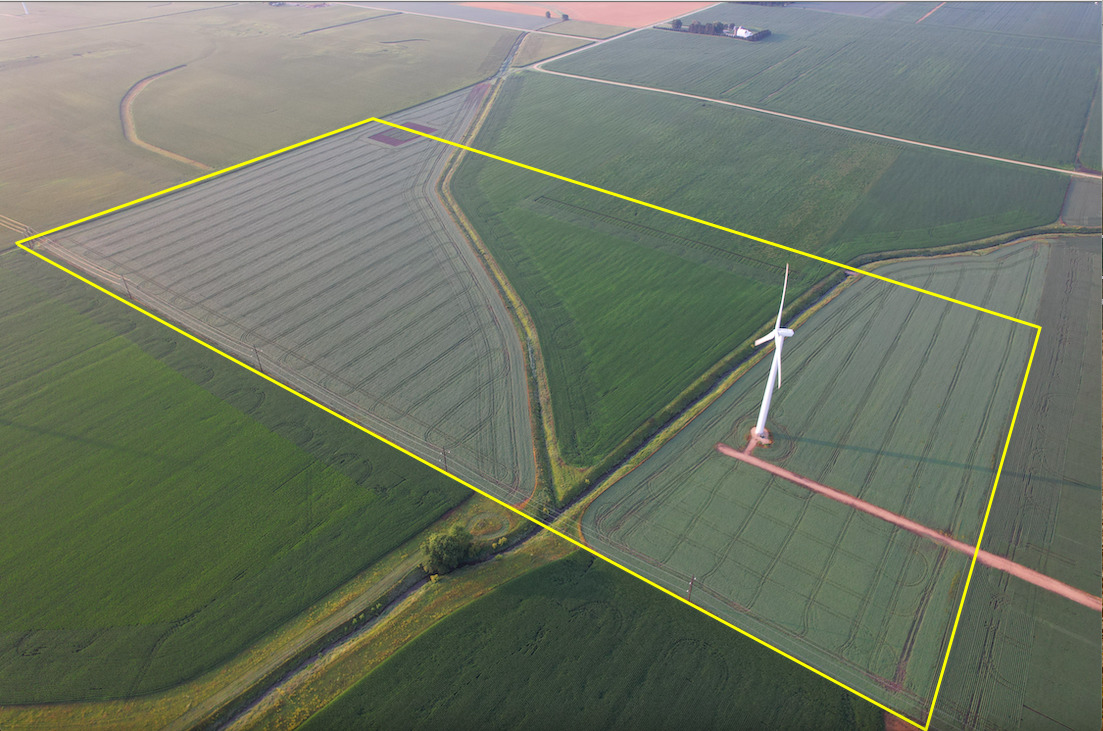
column 624, row 14
column 396, row 137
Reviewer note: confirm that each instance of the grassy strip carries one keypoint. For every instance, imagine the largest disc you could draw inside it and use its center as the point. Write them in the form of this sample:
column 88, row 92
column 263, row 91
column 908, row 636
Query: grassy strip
column 551, row 468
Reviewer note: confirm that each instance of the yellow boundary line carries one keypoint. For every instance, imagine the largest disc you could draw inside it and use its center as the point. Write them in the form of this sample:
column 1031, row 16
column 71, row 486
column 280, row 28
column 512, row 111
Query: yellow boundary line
column 1007, row 443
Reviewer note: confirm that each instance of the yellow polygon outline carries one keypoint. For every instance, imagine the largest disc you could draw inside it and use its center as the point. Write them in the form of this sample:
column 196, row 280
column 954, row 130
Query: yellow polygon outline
column 991, row 497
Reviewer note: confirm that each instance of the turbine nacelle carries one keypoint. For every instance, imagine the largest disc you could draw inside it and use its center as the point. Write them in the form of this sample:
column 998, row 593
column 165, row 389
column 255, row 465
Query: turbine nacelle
column 775, row 335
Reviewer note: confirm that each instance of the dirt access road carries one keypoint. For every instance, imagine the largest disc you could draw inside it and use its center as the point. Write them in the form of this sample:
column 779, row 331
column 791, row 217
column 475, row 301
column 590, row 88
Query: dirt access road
column 997, row 562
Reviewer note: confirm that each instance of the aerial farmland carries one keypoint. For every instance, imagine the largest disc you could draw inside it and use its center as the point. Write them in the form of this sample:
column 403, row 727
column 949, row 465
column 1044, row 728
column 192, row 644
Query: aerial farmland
column 325, row 236
column 402, row 364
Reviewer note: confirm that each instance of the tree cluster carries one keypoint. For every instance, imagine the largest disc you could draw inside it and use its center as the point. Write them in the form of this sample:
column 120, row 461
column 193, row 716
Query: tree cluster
column 710, row 29
column 445, row 551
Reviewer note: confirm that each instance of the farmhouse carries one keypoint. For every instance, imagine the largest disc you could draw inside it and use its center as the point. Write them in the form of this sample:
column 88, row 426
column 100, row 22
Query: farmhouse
column 747, row 34
column 731, row 30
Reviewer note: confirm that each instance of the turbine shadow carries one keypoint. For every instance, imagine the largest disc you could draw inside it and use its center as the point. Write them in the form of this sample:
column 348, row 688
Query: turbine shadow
column 941, row 462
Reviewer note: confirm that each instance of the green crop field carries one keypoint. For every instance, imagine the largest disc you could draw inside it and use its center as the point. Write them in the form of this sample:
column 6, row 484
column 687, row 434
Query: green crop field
column 899, row 398
column 1013, row 96
column 578, row 644
column 161, row 507
column 1025, row 658
column 1057, row 20
column 632, row 304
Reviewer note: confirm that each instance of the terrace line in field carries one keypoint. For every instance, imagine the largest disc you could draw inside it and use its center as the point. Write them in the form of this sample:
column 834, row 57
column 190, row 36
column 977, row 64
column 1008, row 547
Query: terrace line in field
column 893, row 688
column 334, row 267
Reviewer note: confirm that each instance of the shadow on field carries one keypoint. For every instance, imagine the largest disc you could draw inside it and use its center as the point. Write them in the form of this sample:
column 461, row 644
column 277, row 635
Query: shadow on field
column 940, row 462
column 93, row 442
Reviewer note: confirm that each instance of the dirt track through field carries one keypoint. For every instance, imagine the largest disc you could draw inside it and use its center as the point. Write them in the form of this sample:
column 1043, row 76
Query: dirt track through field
column 997, row 562
column 126, row 116
column 936, row 7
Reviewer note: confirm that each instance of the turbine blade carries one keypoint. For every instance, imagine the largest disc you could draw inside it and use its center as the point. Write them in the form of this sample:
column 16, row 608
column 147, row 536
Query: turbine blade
column 783, row 288
column 764, row 339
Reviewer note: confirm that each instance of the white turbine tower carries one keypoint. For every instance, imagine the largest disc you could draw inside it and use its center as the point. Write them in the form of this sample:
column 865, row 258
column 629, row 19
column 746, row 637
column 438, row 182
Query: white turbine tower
column 774, row 381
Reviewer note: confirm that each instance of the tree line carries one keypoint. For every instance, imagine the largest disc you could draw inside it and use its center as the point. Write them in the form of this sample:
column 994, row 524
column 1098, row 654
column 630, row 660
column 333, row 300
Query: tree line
column 708, row 29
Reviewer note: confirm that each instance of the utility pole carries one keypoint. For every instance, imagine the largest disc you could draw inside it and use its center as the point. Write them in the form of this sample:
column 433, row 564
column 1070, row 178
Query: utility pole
column 690, row 595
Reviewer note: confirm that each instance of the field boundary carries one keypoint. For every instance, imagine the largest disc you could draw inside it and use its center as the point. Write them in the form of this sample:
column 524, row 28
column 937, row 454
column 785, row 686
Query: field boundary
column 22, row 243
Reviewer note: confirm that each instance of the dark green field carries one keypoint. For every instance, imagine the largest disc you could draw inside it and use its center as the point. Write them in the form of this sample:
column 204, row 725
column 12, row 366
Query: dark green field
column 578, row 644
column 161, row 507
column 979, row 88
column 632, row 304
column 1091, row 147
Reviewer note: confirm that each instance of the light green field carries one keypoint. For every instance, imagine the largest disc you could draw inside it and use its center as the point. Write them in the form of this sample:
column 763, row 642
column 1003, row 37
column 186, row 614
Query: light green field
column 256, row 78
column 578, row 644
column 632, row 305
column 939, row 84
column 899, row 398
column 260, row 93
column 162, row 508
column 537, row 47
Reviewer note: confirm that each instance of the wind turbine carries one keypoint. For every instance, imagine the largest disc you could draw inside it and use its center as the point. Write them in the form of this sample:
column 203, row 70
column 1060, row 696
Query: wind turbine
column 774, row 381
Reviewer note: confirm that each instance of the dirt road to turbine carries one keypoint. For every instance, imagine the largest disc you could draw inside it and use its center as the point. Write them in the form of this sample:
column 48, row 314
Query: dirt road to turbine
column 988, row 559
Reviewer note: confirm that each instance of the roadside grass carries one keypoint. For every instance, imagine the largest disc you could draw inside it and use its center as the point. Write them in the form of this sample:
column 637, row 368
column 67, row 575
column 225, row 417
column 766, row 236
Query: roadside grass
column 578, row 643
column 978, row 91
column 631, row 304
column 164, row 508
column 254, row 80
